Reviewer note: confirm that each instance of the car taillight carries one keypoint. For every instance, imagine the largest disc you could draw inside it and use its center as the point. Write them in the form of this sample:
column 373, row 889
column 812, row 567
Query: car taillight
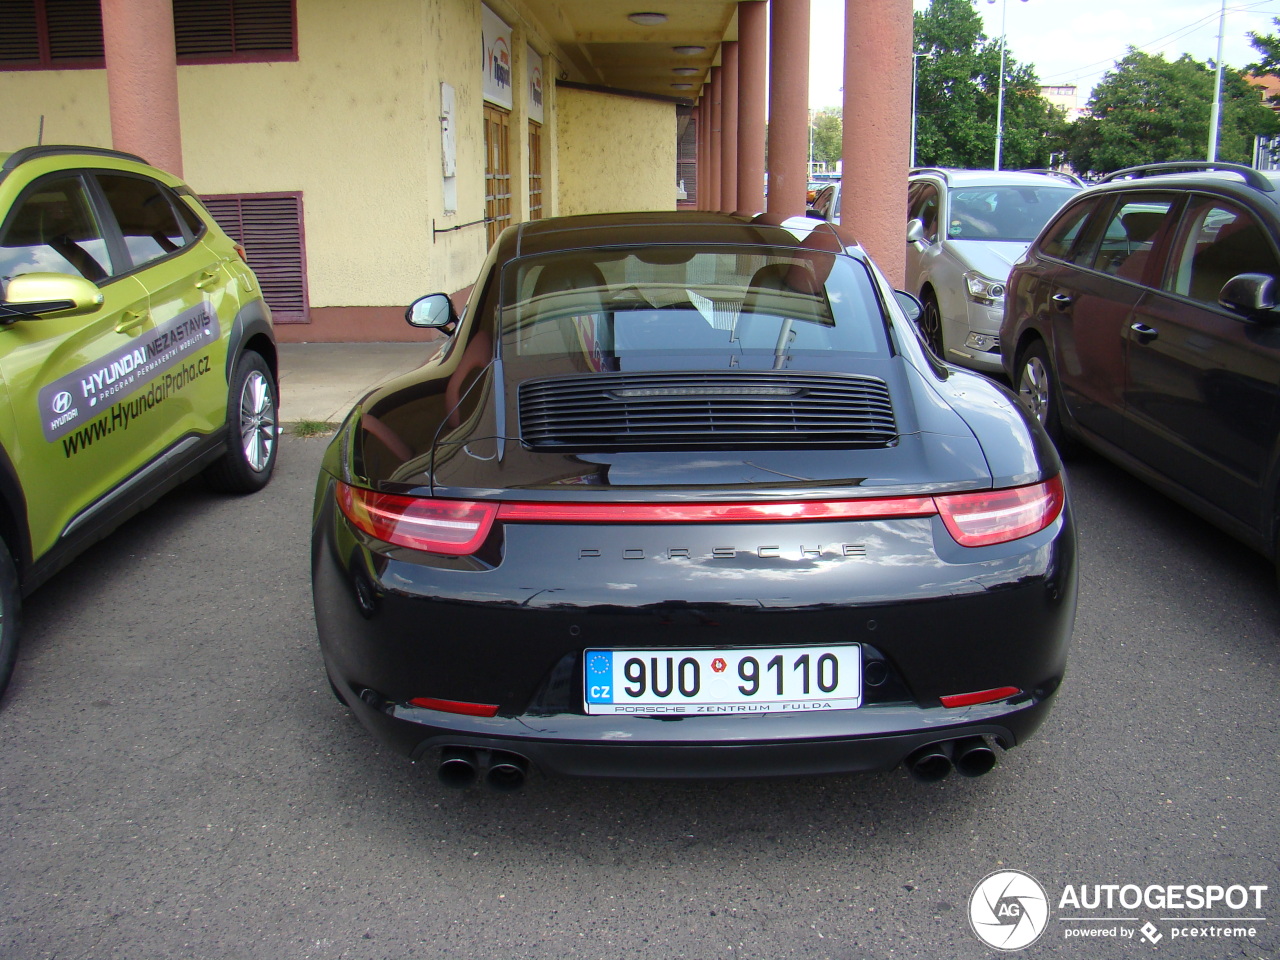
column 459, row 527
column 452, row 527
column 998, row 516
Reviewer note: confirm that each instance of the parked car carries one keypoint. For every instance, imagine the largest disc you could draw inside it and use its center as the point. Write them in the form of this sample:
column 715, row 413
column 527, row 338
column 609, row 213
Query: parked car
column 965, row 229
column 1144, row 322
column 825, row 204
column 686, row 496
column 135, row 352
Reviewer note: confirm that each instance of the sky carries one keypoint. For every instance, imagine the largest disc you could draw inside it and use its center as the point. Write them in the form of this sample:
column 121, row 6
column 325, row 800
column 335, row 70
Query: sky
column 1072, row 41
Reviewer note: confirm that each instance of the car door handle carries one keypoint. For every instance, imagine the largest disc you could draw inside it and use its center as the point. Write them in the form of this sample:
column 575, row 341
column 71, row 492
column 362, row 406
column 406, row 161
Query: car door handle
column 207, row 278
column 1145, row 333
column 129, row 320
column 1061, row 300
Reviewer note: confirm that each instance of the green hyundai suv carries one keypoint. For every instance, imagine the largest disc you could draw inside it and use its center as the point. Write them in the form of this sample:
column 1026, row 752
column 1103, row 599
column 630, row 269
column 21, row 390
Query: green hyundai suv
column 135, row 351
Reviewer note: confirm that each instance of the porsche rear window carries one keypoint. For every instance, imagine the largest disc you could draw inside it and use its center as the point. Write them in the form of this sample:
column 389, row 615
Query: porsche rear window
column 610, row 303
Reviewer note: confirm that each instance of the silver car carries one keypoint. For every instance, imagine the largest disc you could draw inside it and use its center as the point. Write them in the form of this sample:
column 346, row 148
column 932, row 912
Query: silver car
column 965, row 230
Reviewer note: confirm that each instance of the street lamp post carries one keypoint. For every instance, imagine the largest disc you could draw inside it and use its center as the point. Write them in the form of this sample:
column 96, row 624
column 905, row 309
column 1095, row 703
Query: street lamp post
column 915, row 59
column 1004, row 16
column 1215, row 111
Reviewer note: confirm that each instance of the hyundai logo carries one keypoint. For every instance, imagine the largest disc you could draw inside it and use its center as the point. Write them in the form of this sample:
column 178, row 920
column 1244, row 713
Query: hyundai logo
column 62, row 402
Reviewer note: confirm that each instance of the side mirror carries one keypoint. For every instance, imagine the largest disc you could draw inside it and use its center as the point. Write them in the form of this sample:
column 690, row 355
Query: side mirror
column 909, row 304
column 432, row 312
column 915, row 231
column 34, row 295
column 813, row 214
column 1249, row 293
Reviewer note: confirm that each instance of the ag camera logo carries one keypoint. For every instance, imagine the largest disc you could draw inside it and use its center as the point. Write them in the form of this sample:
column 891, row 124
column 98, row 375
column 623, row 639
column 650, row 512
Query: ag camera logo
column 1008, row 910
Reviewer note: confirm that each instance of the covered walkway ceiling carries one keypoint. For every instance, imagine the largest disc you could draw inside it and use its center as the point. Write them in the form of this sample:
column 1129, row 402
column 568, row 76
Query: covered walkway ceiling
column 611, row 50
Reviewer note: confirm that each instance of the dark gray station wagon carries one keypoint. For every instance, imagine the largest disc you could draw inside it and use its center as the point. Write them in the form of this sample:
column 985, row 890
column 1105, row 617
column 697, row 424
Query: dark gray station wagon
column 1144, row 321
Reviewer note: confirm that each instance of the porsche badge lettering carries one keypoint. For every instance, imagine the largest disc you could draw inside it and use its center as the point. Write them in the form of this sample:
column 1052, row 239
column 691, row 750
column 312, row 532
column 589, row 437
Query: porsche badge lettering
column 763, row 552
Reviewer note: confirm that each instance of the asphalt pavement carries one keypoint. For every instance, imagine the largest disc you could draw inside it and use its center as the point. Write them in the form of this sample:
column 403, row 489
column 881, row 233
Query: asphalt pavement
column 177, row 780
column 319, row 382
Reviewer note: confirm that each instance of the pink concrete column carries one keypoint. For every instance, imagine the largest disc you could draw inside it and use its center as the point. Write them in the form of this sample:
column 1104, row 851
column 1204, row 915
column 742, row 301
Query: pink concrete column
column 713, row 168
column 753, row 40
column 729, row 125
column 142, row 80
column 877, row 128
column 700, row 137
column 789, row 105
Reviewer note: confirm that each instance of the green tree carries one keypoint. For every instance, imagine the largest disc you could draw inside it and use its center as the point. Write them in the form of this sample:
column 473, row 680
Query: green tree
column 1149, row 109
column 827, row 135
column 1267, row 44
column 957, row 86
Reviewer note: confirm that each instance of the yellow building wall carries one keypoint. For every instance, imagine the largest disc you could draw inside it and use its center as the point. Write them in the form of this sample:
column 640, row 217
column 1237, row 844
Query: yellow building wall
column 614, row 152
column 354, row 126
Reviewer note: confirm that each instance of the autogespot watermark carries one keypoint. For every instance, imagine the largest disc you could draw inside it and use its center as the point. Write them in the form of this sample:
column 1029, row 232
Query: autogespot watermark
column 1010, row 910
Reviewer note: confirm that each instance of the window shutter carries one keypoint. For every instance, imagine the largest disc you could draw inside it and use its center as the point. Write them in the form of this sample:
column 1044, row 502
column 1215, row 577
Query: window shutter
column 202, row 28
column 224, row 28
column 20, row 38
column 270, row 228
column 75, row 30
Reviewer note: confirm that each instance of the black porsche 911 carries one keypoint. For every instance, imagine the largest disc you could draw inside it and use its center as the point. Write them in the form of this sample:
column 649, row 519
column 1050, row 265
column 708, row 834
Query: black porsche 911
column 685, row 495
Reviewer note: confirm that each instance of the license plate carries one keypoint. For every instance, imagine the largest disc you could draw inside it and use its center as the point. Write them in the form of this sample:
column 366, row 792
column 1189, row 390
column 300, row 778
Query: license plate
column 730, row 681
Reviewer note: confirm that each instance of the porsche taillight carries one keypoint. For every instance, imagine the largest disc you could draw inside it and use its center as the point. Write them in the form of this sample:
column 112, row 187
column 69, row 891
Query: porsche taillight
column 453, row 527
column 998, row 516
column 459, row 527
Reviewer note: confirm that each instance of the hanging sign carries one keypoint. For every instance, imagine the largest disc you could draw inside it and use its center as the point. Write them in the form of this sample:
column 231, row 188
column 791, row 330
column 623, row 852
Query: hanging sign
column 534, row 59
column 497, row 58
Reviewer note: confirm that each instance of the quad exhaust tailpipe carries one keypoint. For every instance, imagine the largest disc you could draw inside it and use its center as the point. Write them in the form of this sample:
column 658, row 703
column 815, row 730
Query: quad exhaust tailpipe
column 507, row 772
column 973, row 757
column 931, row 763
column 460, row 767
column 970, row 756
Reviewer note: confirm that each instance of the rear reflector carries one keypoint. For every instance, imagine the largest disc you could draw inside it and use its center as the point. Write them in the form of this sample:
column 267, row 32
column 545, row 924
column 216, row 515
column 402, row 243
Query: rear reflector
column 980, row 696
column 453, row 527
column 456, row 706
column 459, row 527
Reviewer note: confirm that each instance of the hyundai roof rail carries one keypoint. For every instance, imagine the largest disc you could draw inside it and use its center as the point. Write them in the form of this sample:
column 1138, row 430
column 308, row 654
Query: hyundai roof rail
column 1252, row 177
column 21, row 156
column 1049, row 172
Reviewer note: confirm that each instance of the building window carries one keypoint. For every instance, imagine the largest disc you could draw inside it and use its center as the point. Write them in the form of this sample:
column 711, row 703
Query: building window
column 497, row 170
column 65, row 34
column 269, row 226
column 535, row 170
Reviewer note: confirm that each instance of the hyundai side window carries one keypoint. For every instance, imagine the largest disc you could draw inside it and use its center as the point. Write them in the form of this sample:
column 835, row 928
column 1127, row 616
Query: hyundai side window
column 1062, row 236
column 146, row 217
column 1130, row 235
column 1218, row 241
column 54, row 230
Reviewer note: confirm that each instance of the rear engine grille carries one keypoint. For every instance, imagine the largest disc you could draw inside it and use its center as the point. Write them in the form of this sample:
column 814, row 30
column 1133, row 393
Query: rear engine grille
column 672, row 411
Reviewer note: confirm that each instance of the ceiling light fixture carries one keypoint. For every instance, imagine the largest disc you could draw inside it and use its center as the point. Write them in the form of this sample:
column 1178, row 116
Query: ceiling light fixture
column 647, row 19
column 682, row 86
column 685, row 71
column 689, row 51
